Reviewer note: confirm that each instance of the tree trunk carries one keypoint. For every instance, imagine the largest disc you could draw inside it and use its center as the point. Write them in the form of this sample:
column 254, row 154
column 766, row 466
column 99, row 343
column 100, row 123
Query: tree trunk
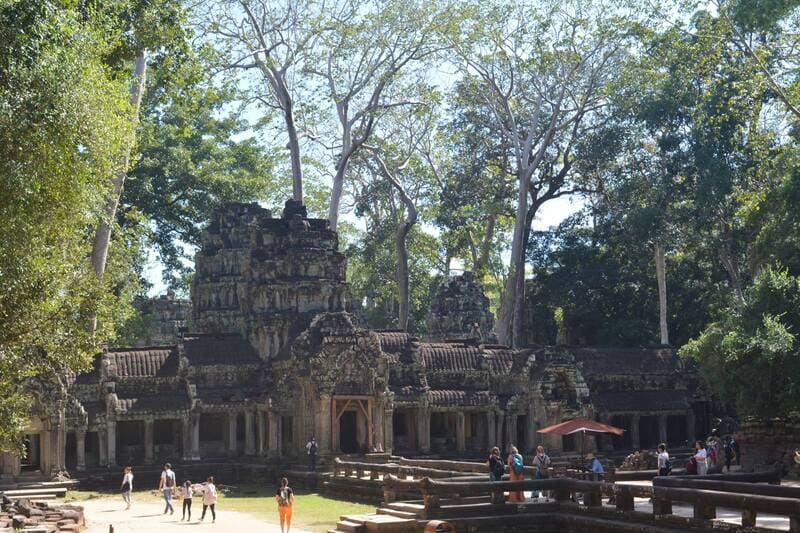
column 486, row 245
column 516, row 275
column 294, row 149
column 102, row 236
column 402, row 272
column 662, row 292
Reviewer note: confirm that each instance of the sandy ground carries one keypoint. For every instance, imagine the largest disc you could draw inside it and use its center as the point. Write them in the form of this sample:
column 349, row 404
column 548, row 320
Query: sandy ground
column 146, row 517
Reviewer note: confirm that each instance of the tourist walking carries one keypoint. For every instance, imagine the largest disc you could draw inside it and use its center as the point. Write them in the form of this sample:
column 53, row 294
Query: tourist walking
column 495, row 464
column 700, row 456
column 167, row 487
column 729, row 453
column 126, row 487
column 541, row 462
column 285, row 498
column 516, row 472
column 311, row 450
column 664, row 464
column 209, row 499
column 186, row 495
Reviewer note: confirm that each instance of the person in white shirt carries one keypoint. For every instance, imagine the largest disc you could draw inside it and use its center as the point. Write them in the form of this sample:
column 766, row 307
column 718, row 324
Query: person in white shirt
column 167, row 486
column 664, row 465
column 700, row 456
column 186, row 495
column 209, row 499
column 127, row 485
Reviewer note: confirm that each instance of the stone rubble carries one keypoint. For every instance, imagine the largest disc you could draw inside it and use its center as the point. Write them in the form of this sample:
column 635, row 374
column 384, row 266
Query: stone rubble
column 28, row 516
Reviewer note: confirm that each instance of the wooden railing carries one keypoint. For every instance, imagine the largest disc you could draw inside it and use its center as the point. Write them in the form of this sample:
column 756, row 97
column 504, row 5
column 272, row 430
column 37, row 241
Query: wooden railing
column 781, row 501
column 377, row 471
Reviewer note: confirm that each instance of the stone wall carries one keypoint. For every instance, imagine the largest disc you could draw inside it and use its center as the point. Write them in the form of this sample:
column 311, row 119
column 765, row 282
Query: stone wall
column 460, row 310
column 769, row 441
column 265, row 277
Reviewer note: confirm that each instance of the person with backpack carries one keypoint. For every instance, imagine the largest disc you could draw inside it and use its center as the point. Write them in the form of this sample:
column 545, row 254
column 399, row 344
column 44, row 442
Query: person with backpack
column 541, row 461
column 496, row 466
column 516, row 472
column 209, row 499
column 664, row 464
column 285, row 498
column 311, row 450
column 730, row 454
column 186, row 495
column 167, row 487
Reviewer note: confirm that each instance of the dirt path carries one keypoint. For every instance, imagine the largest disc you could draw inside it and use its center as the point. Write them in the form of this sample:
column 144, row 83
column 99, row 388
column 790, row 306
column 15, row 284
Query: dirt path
column 146, row 516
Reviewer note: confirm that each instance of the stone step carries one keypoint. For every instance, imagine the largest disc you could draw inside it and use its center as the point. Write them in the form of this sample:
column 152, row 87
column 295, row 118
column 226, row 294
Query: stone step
column 350, row 527
column 399, row 514
column 416, row 509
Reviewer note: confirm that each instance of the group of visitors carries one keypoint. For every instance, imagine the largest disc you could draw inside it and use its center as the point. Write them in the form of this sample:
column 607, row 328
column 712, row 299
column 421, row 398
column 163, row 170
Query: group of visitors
column 515, row 464
column 167, row 486
column 714, row 452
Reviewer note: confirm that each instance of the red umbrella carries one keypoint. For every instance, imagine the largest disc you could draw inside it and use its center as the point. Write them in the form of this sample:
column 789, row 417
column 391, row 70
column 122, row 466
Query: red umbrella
column 581, row 425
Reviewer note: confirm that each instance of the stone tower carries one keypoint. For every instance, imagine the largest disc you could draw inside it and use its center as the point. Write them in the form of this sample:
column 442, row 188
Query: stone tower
column 457, row 307
column 266, row 277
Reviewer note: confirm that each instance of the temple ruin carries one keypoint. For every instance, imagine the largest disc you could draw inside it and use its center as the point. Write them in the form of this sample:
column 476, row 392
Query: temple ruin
column 273, row 357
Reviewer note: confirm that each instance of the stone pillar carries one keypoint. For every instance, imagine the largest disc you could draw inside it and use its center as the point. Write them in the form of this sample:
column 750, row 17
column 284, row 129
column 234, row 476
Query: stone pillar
column 149, row 448
column 388, row 429
column 378, row 425
column 274, row 435
column 232, row 435
column 80, row 449
column 511, row 431
column 491, row 432
column 45, row 452
column 461, row 444
column 424, row 429
column 530, row 431
column 102, row 439
column 261, row 443
column 322, row 423
column 635, row 432
column 249, row 437
column 195, row 447
column 662, row 428
column 111, row 442
column 690, row 425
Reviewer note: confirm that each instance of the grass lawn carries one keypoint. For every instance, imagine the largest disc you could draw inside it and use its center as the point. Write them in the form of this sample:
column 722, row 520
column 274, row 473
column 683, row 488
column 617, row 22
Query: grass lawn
column 312, row 512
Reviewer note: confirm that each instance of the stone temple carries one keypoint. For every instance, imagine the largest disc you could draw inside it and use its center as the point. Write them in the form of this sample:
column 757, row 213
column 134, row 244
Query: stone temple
column 270, row 355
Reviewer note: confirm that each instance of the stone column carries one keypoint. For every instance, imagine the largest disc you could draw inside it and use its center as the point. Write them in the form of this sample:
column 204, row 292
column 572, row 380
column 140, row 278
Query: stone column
column 461, row 444
column 261, row 442
column 690, row 424
column 424, row 429
column 149, row 448
column 195, row 448
column 491, row 431
column 662, row 428
column 635, row 432
column 102, row 439
column 511, row 430
column 232, row 452
column 45, row 452
column 274, row 435
column 111, row 442
column 322, row 423
column 249, row 437
column 530, row 431
column 388, row 429
column 80, row 449
column 377, row 424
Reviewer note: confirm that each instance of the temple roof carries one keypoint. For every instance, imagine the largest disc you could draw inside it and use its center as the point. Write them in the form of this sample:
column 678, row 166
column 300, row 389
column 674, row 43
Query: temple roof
column 394, row 341
column 642, row 400
column 460, row 398
column 156, row 361
column 452, row 357
column 154, row 404
column 626, row 360
column 219, row 349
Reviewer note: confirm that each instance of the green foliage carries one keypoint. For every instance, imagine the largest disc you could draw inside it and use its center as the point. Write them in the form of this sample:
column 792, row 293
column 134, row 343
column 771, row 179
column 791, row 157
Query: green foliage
column 751, row 355
column 61, row 128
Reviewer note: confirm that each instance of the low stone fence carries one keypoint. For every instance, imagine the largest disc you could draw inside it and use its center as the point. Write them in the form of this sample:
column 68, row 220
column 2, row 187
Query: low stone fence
column 25, row 515
column 750, row 499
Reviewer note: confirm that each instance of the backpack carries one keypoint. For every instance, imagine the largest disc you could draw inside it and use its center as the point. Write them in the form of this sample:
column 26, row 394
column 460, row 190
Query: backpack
column 312, row 450
column 668, row 466
column 284, row 497
column 712, row 455
column 517, row 464
column 170, row 481
column 497, row 468
column 691, row 466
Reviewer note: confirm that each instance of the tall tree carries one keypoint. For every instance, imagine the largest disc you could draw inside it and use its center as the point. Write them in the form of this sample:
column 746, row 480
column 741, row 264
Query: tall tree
column 543, row 69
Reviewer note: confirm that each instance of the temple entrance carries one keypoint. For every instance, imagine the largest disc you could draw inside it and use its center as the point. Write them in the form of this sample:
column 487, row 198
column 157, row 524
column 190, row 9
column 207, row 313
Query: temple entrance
column 648, row 432
column 30, row 462
column 677, row 430
column 348, row 440
column 351, row 423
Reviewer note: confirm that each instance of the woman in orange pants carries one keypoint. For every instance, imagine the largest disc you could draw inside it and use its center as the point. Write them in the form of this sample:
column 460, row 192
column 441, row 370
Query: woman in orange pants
column 285, row 498
column 515, row 473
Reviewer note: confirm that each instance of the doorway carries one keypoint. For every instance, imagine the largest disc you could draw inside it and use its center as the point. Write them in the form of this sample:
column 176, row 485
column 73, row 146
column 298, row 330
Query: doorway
column 348, row 439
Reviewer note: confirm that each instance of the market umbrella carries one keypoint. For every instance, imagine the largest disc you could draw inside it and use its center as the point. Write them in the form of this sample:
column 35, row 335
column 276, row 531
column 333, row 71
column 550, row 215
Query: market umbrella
column 581, row 425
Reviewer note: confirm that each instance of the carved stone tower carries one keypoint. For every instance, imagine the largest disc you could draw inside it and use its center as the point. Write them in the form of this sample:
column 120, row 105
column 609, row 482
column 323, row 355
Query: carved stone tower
column 460, row 310
column 265, row 277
